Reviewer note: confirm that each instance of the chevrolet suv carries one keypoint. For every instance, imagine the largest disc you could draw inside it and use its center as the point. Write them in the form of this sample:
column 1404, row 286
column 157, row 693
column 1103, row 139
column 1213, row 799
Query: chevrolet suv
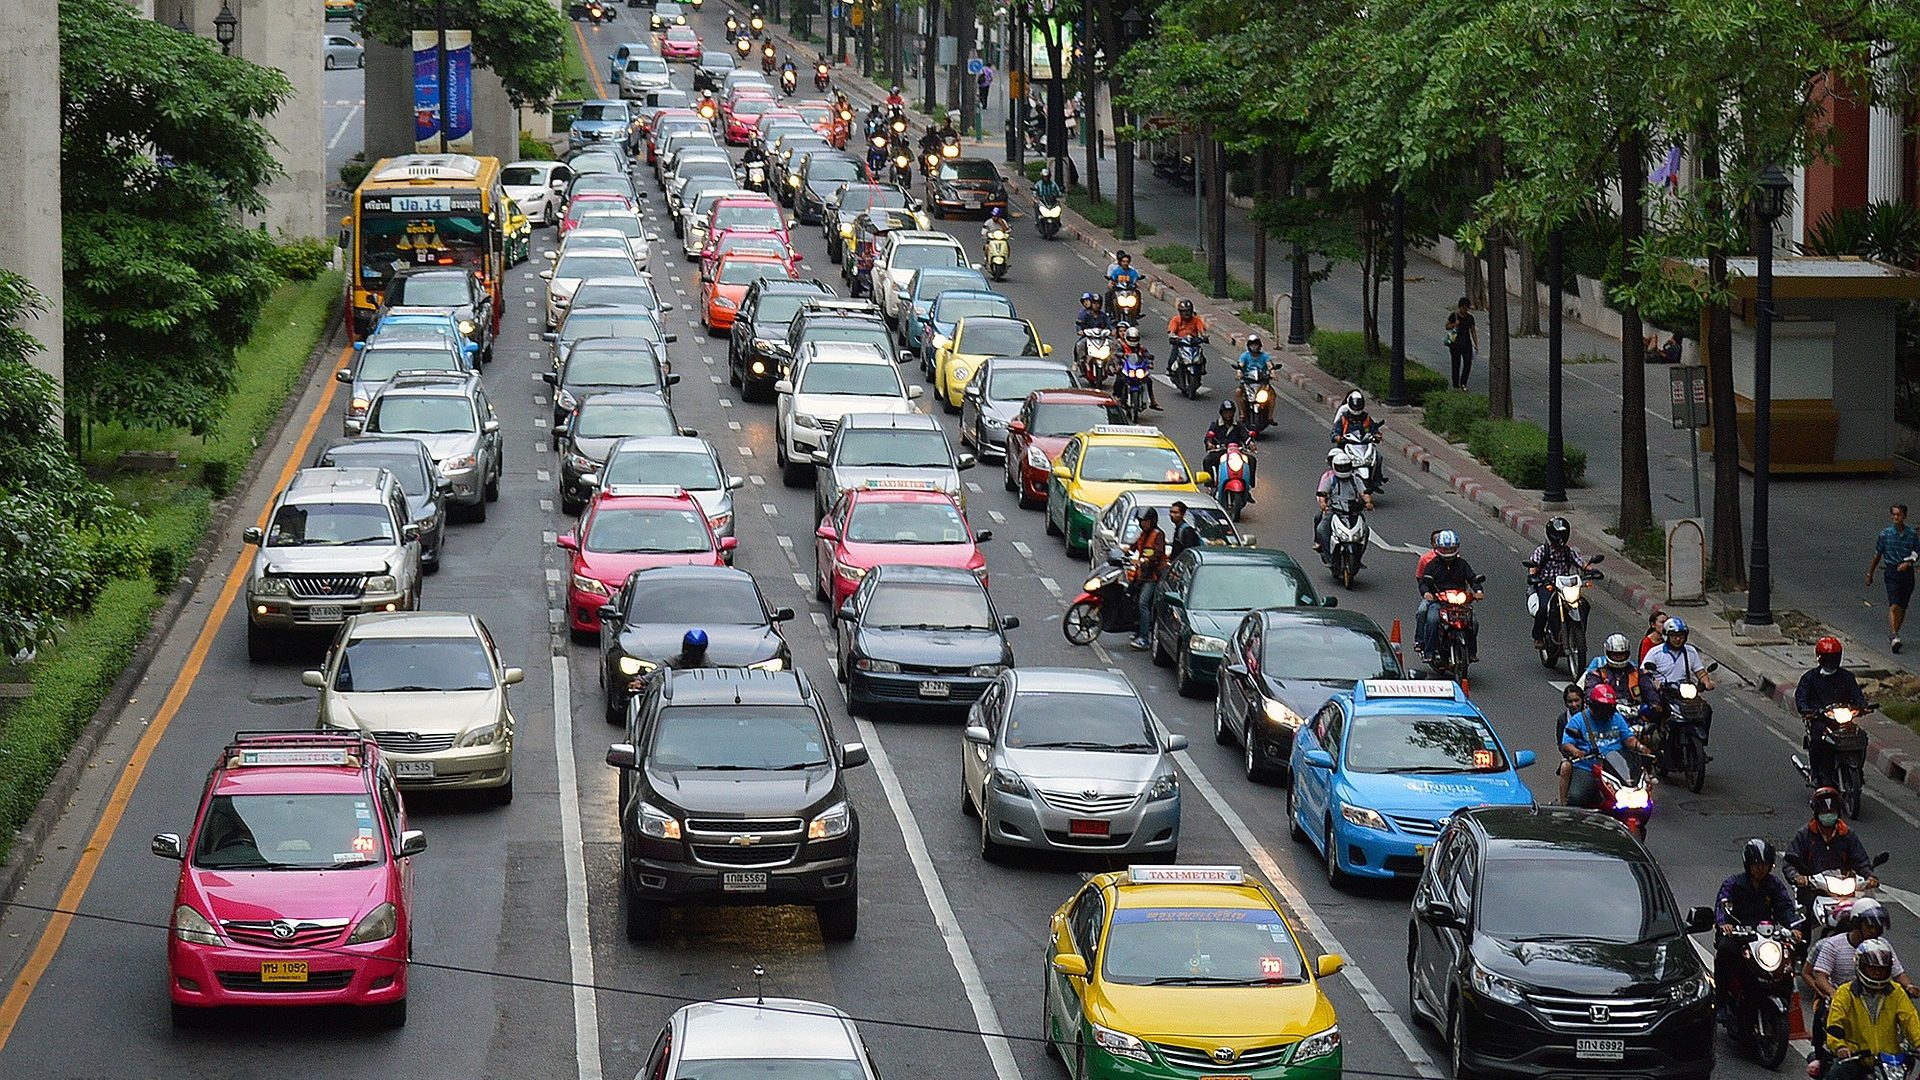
column 339, row 542
column 732, row 792
column 450, row 412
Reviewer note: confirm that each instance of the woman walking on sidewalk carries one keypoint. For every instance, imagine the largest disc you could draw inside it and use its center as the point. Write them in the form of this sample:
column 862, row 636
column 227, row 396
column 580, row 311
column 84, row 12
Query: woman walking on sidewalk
column 1463, row 341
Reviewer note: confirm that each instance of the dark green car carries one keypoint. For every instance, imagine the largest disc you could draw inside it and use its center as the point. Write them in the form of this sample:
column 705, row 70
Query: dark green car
column 1203, row 596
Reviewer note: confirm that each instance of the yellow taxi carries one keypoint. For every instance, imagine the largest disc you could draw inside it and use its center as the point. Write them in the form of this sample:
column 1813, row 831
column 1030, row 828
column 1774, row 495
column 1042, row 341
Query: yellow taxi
column 1175, row 972
column 976, row 337
column 1098, row 464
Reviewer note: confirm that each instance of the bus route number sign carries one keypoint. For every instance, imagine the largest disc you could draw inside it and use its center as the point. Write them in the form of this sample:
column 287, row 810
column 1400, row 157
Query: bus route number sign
column 422, row 204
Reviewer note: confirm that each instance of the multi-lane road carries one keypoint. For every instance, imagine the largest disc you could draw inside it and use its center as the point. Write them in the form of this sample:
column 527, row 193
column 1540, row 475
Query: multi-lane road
column 521, row 967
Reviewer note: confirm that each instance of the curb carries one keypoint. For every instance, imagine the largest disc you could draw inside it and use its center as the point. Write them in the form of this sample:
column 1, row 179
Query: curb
column 31, row 838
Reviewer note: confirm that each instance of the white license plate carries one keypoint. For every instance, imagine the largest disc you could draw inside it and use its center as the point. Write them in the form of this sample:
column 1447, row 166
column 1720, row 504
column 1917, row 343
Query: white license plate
column 325, row 613
column 413, row 770
column 744, row 881
column 1600, row 1049
column 973, row 204
column 936, row 689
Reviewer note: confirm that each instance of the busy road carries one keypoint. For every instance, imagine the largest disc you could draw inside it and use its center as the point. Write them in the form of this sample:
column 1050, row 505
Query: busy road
column 520, row 965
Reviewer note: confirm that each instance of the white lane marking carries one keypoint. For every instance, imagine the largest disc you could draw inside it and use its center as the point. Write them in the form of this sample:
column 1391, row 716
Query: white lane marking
column 998, row 517
column 1370, row 995
column 1051, row 586
column 586, row 1016
column 1910, row 901
column 542, row 475
column 772, row 510
column 733, row 425
column 1021, row 547
column 805, row 582
column 548, row 536
column 341, row 131
column 553, row 573
column 746, row 451
column 758, row 480
column 973, row 487
column 546, row 506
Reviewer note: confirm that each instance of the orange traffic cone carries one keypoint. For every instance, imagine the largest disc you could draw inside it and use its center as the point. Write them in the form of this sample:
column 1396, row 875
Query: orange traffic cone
column 1796, row 1019
column 1393, row 639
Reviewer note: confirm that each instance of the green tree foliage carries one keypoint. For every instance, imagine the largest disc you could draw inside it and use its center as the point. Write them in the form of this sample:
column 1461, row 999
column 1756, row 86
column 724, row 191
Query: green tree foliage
column 522, row 41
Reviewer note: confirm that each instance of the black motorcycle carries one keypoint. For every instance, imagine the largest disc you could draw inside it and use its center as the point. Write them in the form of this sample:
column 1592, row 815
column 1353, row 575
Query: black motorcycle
column 1837, row 753
column 1684, row 726
column 1759, row 997
column 1123, row 302
column 1453, row 617
column 1567, row 611
column 1186, row 364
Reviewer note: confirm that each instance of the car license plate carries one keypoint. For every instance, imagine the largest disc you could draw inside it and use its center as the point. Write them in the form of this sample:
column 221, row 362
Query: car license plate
column 1600, row 1049
column 1083, row 827
column 936, row 689
column 325, row 613
column 283, row 971
column 408, row 770
column 1420, row 850
column 755, row 881
column 973, row 204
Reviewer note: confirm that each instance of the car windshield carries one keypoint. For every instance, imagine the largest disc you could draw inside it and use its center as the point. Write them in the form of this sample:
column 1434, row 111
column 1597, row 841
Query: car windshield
column 748, row 271
column 1187, row 946
column 633, row 368
column 902, row 448
column 920, row 256
column 405, row 467
column 591, row 164
column 691, row 470
column 1387, row 743
column 869, row 380
column 1121, row 463
column 751, row 106
column 422, row 415
column 1238, row 586
column 1212, row 525
column 331, row 525
column 1539, row 895
column 784, row 1068
column 389, row 665
column 1055, row 419
column 680, row 35
column 780, row 307
column 589, row 325
column 702, row 166
column 906, row 523
column 592, row 264
column 730, row 737
column 634, row 292
column 959, row 307
column 997, row 337
column 822, row 169
column 1059, row 721
column 637, row 530
column 652, row 65
column 1017, row 384
column 602, row 110
column 429, row 290
column 288, row 832
column 625, row 224
column 523, row 176
column 581, row 240
column 1326, row 652
column 917, row 605
column 748, row 218
column 750, row 245
column 379, row 365
column 603, row 420
column 865, row 198
column 719, row 61
column 705, row 191
column 969, row 170
column 730, row 601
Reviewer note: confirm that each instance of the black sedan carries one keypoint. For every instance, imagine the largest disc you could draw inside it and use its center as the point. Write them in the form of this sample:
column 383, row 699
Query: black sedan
column 643, row 625
column 1280, row 666
column 966, row 185
column 710, row 73
column 913, row 637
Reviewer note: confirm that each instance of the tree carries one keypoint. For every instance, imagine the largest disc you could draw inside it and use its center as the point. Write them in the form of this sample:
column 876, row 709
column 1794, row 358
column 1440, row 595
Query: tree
column 521, row 41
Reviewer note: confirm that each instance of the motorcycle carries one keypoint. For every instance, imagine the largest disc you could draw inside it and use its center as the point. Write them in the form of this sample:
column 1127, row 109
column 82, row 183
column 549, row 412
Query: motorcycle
column 1759, row 998
column 1347, row 541
column 1828, row 896
column 950, row 148
column 733, row 25
column 1364, row 448
column 998, row 248
column 1610, row 784
column 1094, row 354
column 757, row 26
column 1186, row 364
column 1256, row 400
column 789, row 81
column 1844, row 746
column 1232, row 467
column 1131, row 387
column 596, row 13
column 743, row 46
column 766, row 58
column 929, row 161
column 756, row 175
column 1685, row 730
column 820, row 80
column 1123, row 302
column 902, row 169
column 1453, row 617
column 1103, row 605
column 1046, row 218
column 1566, row 617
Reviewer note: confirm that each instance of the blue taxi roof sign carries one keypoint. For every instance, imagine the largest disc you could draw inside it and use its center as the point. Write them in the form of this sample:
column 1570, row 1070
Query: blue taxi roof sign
column 1186, row 875
column 1430, row 689
column 1147, row 431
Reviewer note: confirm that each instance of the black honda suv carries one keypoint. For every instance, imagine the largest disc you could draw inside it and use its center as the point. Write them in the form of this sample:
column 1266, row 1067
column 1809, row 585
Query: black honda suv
column 1545, row 941
column 731, row 793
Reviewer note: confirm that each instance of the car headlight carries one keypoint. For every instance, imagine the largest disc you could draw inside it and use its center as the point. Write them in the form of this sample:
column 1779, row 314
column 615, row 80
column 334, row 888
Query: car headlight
column 1698, row 988
column 466, row 326
column 1201, row 643
column 1008, row 781
column 850, row 573
column 485, row 735
column 832, row 824
column 380, row 924
column 193, row 928
column 1119, row 1043
column 881, row 667
column 1363, row 817
column 1037, row 459
column 631, row 666
column 658, row 823
column 1319, row 1044
column 459, row 463
column 719, row 522
column 1164, row 786
column 580, row 463
column 985, row 671
column 1497, row 987
column 941, row 341
column 1280, row 714
column 357, row 407
column 778, row 663
column 566, row 400
column 807, row 420
column 1085, row 508
column 725, row 303
column 585, row 584
column 271, row 586
column 425, row 524
column 382, row 583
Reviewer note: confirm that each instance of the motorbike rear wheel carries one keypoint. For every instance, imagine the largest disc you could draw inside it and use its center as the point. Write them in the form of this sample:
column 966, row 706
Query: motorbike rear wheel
column 1457, row 660
column 1081, row 623
column 1344, row 566
column 1188, row 382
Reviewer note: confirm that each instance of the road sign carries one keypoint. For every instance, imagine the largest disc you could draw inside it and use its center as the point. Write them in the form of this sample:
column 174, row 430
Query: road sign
column 858, row 16
column 975, row 66
column 1689, row 396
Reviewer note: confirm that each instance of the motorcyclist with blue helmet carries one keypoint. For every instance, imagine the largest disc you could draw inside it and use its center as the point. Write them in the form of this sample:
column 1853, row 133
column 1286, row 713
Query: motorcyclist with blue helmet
column 1596, row 731
column 1447, row 571
column 1092, row 316
column 693, row 651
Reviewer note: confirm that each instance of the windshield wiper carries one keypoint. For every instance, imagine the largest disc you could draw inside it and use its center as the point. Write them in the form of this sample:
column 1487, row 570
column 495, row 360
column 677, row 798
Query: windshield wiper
column 802, row 765
column 1426, row 770
column 729, row 768
column 1066, row 744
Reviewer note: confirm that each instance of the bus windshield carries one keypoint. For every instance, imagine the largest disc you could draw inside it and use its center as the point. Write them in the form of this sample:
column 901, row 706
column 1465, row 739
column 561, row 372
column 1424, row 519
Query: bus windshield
column 393, row 242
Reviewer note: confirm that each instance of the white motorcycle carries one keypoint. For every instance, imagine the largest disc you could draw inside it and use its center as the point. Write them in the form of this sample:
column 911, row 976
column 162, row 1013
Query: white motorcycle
column 1346, row 541
column 1364, row 448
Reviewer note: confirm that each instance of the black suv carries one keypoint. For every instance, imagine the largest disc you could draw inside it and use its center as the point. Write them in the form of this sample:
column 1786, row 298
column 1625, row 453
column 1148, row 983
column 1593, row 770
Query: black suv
column 1545, row 940
column 822, row 176
column 839, row 320
column 731, row 793
column 757, row 344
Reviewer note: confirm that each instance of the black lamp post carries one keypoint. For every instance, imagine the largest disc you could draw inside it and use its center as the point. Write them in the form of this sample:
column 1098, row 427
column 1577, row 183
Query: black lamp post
column 1397, row 381
column 1769, row 203
column 1556, row 438
column 180, row 22
column 224, row 25
column 1297, row 309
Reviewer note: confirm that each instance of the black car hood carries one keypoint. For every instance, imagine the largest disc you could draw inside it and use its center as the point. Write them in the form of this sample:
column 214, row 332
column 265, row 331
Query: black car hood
column 420, row 507
column 974, row 185
column 933, row 648
column 715, row 793
column 594, row 449
column 1305, row 696
column 727, row 646
column 1577, row 966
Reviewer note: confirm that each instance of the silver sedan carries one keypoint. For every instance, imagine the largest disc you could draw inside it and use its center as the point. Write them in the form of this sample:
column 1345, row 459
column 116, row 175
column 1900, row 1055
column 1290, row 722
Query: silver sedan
column 1067, row 759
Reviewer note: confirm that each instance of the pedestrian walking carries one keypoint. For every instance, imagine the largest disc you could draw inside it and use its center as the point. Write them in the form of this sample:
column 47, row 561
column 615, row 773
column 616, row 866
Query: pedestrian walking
column 1897, row 548
column 1463, row 341
column 985, row 82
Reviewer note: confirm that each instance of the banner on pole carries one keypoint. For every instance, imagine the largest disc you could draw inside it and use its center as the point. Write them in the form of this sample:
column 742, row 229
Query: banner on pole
column 426, row 91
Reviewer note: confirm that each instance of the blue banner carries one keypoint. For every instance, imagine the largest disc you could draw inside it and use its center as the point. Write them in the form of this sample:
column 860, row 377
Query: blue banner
column 426, row 91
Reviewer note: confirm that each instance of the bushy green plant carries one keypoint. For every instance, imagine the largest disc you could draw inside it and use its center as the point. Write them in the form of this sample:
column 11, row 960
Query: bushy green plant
column 301, row 260
column 1516, row 450
column 173, row 535
column 1420, row 381
column 1453, row 413
column 534, row 148
column 1341, row 353
column 355, row 169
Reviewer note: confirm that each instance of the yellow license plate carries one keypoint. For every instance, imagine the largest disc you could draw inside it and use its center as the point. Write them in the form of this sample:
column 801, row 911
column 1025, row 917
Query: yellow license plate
column 283, row 971
column 1420, row 850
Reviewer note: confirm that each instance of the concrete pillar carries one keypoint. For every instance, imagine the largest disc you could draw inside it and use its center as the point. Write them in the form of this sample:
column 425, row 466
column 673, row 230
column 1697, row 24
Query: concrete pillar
column 389, row 113
column 496, row 123
column 1885, row 147
column 30, row 167
column 286, row 37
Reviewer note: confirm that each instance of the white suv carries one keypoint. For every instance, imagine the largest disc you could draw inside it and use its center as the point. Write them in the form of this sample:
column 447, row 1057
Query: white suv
column 831, row 379
column 902, row 253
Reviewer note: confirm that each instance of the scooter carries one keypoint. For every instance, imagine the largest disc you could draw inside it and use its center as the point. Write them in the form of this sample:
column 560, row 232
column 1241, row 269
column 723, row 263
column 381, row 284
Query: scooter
column 1123, row 302
column 820, row 78
column 1233, row 478
column 789, row 81
column 1759, row 999
column 596, row 13
column 1453, row 617
column 1131, row 387
column 1102, row 606
column 757, row 26
column 1256, row 401
column 1346, row 541
column 743, row 45
column 902, row 169
column 1844, row 748
column 1828, row 896
column 1611, row 785
column 1566, row 616
column 756, row 175
column 1688, row 724
column 1364, row 448
column 998, row 248
column 766, row 58
column 1186, row 364
column 1094, row 354
column 1046, row 217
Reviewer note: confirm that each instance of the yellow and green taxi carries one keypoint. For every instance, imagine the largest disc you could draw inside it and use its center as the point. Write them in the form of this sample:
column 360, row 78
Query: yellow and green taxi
column 1173, row 972
column 976, row 337
column 1098, row 464
column 519, row 232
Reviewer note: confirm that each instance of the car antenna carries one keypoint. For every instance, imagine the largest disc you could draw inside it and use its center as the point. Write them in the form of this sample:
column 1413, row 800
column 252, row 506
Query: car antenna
column 759, row 996
column 736, row 701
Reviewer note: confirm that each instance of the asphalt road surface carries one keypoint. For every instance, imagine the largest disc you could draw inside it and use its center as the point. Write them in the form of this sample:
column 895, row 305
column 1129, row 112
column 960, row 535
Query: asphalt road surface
column 521, row 968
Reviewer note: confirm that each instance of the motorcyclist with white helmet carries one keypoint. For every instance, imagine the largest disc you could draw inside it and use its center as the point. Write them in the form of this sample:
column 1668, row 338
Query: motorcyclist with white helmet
column 1352, row 417
column 1338, row 486
column 1448, row 571
column 1614, row 667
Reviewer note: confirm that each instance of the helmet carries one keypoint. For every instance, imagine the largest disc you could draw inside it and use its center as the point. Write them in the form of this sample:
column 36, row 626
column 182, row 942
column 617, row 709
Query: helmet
column 1186, row 307
column 1120, row 255
column 996, row 212
column 1827, row 650
column 1867, row 912
column 1447, row 543
column 1873, row 963
column 695, row 641
column 1558, row 530
column 1757, row 853
column 896, row 86
column 1253, row 341
column 1617, row 650
column 1133, row 335
column 1826, row 800
column 1356, row 401
column 1676, row 625
column 1603, row 694
column 1086, row 296
column 1227, row 408
column 1342, row 463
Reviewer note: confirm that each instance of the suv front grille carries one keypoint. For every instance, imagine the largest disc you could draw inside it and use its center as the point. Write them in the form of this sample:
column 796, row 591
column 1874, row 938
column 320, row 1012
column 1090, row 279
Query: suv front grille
column 250, row 980
column 1250, row 1059
column 1079, row 802
column 759, row 856
column 325, row 586
column 756, row 843
column 414, row 742
column 1596, row 1014
column 284, row 934
column 745, row 825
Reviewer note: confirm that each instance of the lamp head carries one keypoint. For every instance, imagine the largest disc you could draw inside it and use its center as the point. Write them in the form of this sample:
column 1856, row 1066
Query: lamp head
column 1774, row 185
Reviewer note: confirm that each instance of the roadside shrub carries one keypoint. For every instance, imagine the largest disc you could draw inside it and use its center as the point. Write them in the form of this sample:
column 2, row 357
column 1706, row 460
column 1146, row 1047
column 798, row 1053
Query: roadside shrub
column 534, row 148
column 301, row 260
column 1516, row 451
column 355, row 169
column 173, row 535
column 1421, row 381
column 1453, row 412
column 1341, row 353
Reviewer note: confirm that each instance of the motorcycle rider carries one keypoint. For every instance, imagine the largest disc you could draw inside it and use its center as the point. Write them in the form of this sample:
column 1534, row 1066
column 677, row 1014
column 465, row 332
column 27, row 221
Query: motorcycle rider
column 1597, row 730
column 1747, row 899
column 1134, row 354
column 1424, row 611
column 1448, row 571
column 1548, row 561
column 788, row 67
column 1254, row 365
column 1091, row 315
column 1825, row 685
column 1352, row 417
column 876, row 121
column 1225, row 431
column 895, row 99
column 930, row 148
column 1831, row 963
column 1122, row 271
column 1150, row 557
column 1186, row 324
column 1614, row 667
column 693, row 652
column 996, row 222
column 1338, row 486
column 1575, row 700
column 1674, row 661
column 1826, row 843
column 1869, row 1015
column 1045, row 191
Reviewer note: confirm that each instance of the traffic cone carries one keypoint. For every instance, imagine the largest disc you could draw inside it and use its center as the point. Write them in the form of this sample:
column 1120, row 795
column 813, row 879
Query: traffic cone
column 1393, row 639
column 1796, row 1019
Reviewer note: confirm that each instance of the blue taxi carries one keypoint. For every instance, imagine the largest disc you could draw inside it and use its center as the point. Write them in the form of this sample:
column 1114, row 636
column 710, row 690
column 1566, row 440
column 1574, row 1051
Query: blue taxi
column 1380, row 768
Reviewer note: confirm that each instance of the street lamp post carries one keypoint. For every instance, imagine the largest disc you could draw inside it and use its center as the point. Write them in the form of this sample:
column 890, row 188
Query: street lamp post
column 1297, row 309
column 1132, row 25
column 1769, row 204
column 224, row 26
column 1556, row 439
column 1397, row 363
column 180, row 21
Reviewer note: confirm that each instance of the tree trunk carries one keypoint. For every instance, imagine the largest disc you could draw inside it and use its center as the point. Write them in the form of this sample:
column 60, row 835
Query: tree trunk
column 1057, row 148
column 1727, row 561
column 1636, row 494
column 1122, row 144
column 1499, row 342
column 1529, row 291
column 1369, row 269
column 931, row 58
column 1476, row 282
column 1090, row 117
column 1263, row 186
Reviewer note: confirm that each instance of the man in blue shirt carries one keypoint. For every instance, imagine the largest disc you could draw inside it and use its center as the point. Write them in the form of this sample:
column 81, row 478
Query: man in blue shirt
column 1675, row 661
column 1598, row 731
column 1122, row 271
column 1896, row 547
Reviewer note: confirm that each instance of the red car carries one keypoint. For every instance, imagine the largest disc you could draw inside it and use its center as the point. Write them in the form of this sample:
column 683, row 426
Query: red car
column 296, row 882
column 892, row 522
column 592, row 202
column 671, row 120
column 747, row 242
column 680, row 43
column 740, row 112
column 1036, row 436
column 723, row 290
column 628, row 528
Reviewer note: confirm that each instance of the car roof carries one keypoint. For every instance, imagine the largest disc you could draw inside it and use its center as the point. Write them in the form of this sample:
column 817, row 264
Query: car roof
column 961, row 294
column 432, row 383
column 1130, row 434
column 1274, row 557
column 696, row 573
column 931, row 495
column 633, row 498
column 1131, row 894
column 235, row 775
column 921, row 236
column 807, row 286
column 1081, row 394
column 372, row 444
column 1066, row 680
column 851, row 352
column 991, row 320
column 1559, row 829
column 1290, row 618
column 669, row 444
column 1027, row 363
column 627, row 397
column 327, row 483
column 736, row 686
column 735, row 1028
column 413, row 624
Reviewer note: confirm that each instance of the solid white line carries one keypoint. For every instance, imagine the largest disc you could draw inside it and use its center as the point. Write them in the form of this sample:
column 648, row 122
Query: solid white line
column 1370, row 995
column 341, row 131
column 586, row 1016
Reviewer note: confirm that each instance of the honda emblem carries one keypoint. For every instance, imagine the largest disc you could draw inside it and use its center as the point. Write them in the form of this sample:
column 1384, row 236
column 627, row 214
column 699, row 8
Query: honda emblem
column 1599, row 1014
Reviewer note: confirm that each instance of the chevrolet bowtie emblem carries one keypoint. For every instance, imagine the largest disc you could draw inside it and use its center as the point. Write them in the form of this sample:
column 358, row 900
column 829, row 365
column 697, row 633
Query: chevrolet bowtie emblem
column 744, row 840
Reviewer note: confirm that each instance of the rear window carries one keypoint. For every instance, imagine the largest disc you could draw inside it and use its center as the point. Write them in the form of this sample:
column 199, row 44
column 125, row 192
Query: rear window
column 598, row 420
column 602, row 111
column 747, row 271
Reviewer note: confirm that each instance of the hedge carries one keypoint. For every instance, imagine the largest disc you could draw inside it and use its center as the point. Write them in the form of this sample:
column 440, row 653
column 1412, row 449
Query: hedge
column 1454, row 412
column 269, row 367
column 534, row 148
column 1343, row 354
column 174, row 532
column 69, row 681
column 1516, row 450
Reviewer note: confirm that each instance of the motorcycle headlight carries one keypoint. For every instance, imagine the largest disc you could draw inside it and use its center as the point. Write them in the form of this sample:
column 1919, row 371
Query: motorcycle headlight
column 1319, row 1044
column 485, row 735
column 1767, row 954
column 1280, row 714
column 1842, row 886
column 382, row 583
column 1497, row 987
column 658, row 823
column 1570, row 594
column 775, row 664
column 832, row 824
column 1632, row 798
column 1009, row 781
column 1119, row 1043
column 632, row 666
column 271, row 586
column 1201, row 643
column 380, row 924
column 1164, row 786
column 1092, row 584
column 585, row 584
column 878, row 667
column 1037, row 459
column 985, row 671
column 1363, row 817
column 193, row 928
column 1688, row 691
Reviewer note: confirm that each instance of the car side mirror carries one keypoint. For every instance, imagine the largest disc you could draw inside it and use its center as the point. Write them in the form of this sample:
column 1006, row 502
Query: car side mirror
column 412, row 842
column 972, row 390
column 853, row 755
column 784, row 614
column 1329, row 601
column 1329, row 965
column 355, row 427
column 590, row 481
column 783, row 386
column 167, row 846
column 1203, row 478
column 977, row 733
column 343, row 375
column 1061, row 472
column 827, row 532
column 1177, row 743
column 550, row 337
column 1523, row 758
column 1699, row 919
column 551, row 378
column 1009, row 622
column 983, row 536
column 906, row 356
column 728, row 543
column 1237, row 670
column 1072, row 965
column 568, row 541
column 689, row 432
column 845, row 612
column 1441, row 913
column 965, row 460
column 314, row 678
column 546, row 275
column 622, row 756
column 1016, row 427
column 1318, row 759
column 915, row 393
column 818, row 457
column 409, row 532
column 609, row 613
column 513, row 676
column 672, row 379
column 252, row 535
column 489, row 427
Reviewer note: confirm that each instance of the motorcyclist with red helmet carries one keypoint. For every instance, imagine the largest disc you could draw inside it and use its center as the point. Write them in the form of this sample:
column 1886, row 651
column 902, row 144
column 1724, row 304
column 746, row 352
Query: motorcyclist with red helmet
column 1825, row 685
column 1597, row 731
